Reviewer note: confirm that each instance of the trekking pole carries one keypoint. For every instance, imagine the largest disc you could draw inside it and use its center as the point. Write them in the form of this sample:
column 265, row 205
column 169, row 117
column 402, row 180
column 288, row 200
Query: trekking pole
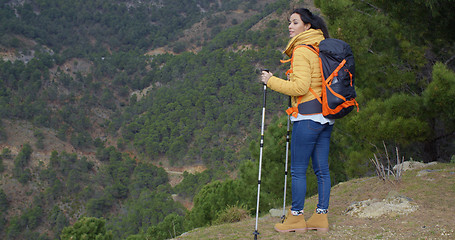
column 286, row 163
column 256, row 233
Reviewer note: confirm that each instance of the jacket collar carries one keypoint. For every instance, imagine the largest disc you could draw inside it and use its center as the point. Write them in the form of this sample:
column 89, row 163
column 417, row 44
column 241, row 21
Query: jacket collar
column 309, row 37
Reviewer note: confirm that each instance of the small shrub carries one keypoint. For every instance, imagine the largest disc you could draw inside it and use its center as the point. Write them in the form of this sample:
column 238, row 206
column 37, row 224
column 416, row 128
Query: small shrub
column 232, row 214
column 39, row 135
column 6, row 153
column 87, row 228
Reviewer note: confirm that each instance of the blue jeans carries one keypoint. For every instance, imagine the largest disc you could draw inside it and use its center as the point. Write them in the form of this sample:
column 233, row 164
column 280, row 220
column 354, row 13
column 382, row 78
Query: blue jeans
column 310, row 139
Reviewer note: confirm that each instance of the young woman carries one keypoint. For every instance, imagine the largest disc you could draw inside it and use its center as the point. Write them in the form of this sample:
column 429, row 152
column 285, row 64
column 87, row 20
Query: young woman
column 311, row 130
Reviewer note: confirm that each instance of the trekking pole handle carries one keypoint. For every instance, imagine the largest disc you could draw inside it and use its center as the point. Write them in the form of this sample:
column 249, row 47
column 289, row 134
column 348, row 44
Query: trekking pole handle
column 265, row 85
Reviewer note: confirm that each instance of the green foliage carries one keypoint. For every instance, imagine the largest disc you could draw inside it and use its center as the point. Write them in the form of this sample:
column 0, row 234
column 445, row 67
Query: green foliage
column 18, row 93
column 145, row 211
column 399, row 117
column 240, row 33
column 3, row 222
column 58, row 220
column 114, row 24
column 38, row 134
column 3, row 135
column 358, row 164
column 21, row 226
column 6, row 154
column 193, row 112
column 129, row 69
column 192, row 183
column 217, row 196
column 20, row 170
column 4, row 203
column 147, row 176
column 439, row 96
column 425, row 20
column 99, row 206
column 87, row 228
column 171, row 227
column 2, row 167
column 139, row 189
column 81, row 140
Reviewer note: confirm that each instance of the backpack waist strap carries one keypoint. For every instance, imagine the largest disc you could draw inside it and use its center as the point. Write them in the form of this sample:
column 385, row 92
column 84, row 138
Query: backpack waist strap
column 305, row 108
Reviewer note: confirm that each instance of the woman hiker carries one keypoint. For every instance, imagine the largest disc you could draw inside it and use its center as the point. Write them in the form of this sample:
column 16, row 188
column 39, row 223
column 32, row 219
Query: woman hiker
column 311, row 131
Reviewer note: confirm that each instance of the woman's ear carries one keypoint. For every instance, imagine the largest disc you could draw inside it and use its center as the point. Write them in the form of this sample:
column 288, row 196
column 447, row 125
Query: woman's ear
column 307, row 26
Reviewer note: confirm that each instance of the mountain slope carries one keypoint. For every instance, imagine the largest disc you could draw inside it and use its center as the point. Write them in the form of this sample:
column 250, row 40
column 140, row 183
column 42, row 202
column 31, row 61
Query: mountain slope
column 68, row 73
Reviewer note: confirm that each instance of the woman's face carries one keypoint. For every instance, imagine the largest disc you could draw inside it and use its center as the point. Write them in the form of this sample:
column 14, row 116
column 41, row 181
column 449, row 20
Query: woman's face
column 296, row 25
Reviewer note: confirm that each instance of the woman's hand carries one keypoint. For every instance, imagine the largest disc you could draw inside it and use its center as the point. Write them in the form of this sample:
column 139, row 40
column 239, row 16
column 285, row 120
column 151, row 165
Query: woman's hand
column 265, row 76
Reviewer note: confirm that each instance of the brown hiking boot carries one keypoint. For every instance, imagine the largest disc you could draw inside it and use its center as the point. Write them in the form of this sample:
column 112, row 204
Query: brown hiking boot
column 319, row 222
column 292, row 223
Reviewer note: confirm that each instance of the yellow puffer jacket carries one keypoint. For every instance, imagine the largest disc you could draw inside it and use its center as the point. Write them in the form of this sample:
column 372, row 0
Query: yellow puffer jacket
column 306, row 71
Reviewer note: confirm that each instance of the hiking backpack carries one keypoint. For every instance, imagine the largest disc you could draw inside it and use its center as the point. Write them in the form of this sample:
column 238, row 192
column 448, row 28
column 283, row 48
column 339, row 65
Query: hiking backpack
column 338, row 73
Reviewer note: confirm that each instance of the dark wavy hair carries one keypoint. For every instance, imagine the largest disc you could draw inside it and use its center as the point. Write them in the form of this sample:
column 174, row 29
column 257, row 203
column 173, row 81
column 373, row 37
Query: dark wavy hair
column 316, row 21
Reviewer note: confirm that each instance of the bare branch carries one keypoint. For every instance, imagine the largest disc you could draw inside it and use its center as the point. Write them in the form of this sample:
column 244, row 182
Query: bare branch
column 362, row 12
column 450, row 59
column 391, row 172
column 387, row 156
column 373, row 6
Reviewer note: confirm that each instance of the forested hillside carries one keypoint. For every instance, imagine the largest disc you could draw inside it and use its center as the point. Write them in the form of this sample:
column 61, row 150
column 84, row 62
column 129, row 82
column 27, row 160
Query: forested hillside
column 133, row 86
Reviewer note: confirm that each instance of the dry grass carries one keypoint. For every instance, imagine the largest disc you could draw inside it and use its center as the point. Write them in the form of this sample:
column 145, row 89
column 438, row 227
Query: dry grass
column 433, row 191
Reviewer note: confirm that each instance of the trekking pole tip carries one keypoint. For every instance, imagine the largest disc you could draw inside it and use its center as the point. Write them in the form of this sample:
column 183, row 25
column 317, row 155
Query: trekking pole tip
column 256, row 233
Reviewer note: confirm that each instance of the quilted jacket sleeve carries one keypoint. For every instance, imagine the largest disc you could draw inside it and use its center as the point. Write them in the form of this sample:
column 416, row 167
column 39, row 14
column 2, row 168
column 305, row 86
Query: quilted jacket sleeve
column 301, row 76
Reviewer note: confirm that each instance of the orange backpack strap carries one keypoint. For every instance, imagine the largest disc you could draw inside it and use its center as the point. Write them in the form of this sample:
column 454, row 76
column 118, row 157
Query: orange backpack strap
column 294, row 110
column 292, row 57
column 316, row 95
column 286, row 61
column 335, row 72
